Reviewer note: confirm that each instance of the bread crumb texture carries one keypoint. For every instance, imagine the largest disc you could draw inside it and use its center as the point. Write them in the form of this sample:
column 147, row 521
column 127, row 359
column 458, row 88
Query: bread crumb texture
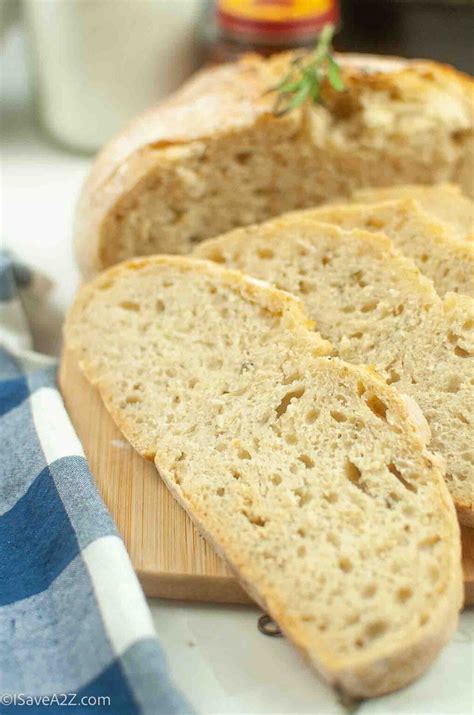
column 307, row 473
column 376, row 308
column 430, row 242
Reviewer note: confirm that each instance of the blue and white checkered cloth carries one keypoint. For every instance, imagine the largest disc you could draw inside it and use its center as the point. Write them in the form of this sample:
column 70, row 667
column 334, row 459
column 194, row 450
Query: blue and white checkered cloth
column 74, row 624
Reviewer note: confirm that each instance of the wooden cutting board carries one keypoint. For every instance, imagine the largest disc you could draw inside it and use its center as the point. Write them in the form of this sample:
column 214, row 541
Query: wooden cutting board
column 171, row 559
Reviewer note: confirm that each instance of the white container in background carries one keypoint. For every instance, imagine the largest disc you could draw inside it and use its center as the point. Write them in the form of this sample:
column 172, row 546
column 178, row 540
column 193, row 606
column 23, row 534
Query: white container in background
column 97, row 63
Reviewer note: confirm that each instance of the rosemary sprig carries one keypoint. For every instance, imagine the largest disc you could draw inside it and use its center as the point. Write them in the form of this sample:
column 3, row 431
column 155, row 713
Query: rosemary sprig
column 306, row 75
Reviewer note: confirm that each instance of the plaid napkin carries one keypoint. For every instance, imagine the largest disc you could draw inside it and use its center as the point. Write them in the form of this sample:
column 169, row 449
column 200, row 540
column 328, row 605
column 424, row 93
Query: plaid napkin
column 74, row 625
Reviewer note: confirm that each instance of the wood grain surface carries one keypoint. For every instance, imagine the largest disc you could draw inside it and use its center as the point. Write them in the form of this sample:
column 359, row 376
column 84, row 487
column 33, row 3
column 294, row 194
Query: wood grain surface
column 171, row 559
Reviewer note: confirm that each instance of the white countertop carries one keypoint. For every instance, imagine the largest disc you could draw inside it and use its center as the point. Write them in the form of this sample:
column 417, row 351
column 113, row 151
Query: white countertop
column 218, row 658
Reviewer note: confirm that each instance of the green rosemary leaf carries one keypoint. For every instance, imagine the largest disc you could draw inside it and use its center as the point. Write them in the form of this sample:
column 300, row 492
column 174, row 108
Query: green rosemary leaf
column 306, row 75
column 315, row 92
column 286, row 87
column 334, row 74
column 300, row 96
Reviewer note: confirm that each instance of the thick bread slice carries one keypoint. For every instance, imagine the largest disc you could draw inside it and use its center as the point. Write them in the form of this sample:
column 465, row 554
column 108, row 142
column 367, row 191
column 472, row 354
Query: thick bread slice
column 307, row 473
column 376, row 308
column 214, row 156
column 445, row 202
column 430, row 244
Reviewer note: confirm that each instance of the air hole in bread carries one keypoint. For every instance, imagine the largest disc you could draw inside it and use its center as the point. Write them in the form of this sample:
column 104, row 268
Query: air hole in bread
column 307, row 461
column 369, row 306
column 291, row 438
column 331, row 497
column 375, row 223
column 348, row 309
column 215, row 363
column 220, row 491
column 397, row 473
column 235, row 474
column 338, row 416
column 265, row 253
column 377, row 406
column 105, row 285
column 454, row 384
column 369, row 591
column 345, row 564
column 393, row 377
column 468, row 325
column 360, row 388
column 326, row 260
column 130, row 305
column 352, row 619
column 304, row 496
column 217, row 256
column 460, row 352
column 312, row 416
column 354, row 475
column 244, row 454
column 357, row 335
column 243, row 157
column 159, row 306
column 305, row 288
column 423, row 257
column 359, row 279
column 429, row 542
column 285, row 402
column 404, row 594
column 254, row 519
column 376, row 629
column 195, row 238
column 132, row 399
column 301, row 532
column 398, row 310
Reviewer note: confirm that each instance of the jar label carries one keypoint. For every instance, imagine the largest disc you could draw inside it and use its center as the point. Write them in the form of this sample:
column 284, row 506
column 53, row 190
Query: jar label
column 280, row 11
column 276, row 20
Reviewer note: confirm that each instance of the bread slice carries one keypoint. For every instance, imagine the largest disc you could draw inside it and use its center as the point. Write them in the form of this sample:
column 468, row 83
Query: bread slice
column 445, row 202
column 373, row 304
column 307, row 474
column 214, row 156
column 437, row 253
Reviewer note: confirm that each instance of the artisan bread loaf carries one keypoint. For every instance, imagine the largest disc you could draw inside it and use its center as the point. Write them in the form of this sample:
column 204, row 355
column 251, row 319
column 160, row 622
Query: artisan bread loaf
column 307, row 474
column 214, row 156
column 373, row 304
column 445, row 202
column 438, row 254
